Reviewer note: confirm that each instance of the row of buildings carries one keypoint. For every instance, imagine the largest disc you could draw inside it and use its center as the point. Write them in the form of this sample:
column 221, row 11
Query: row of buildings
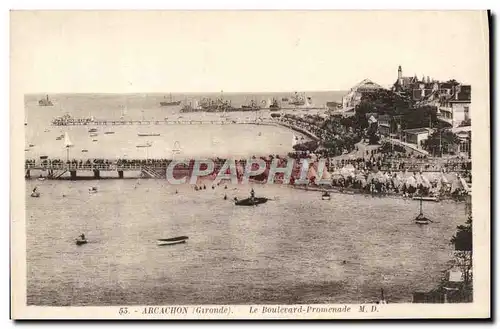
column 451, row 99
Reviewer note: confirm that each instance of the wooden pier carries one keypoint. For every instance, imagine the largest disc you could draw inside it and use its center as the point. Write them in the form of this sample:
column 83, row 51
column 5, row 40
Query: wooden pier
column 152, row 122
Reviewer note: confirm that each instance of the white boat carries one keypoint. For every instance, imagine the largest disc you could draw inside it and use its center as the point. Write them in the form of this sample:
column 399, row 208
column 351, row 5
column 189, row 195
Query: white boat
column 41, row 179
column 147, row 134
column 325, row 196
column 144, row 145
column 93, row 190
column 93, row 135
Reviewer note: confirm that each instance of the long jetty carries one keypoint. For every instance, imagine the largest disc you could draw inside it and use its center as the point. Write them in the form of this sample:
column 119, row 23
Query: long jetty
column 186, row 122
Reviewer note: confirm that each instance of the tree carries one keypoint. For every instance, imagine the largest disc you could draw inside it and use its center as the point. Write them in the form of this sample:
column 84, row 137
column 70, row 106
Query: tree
column 440, row 142
column 310, row 146
column 373, row 139
column 462, row 241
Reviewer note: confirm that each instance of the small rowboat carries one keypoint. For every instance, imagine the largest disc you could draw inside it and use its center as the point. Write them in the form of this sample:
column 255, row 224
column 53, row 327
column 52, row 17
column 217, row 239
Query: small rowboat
column 171, row 241
column 422, row 221
column 325, row 196
column 251, row 201
column 426, row 198
column 35, row 194
column 79, row 242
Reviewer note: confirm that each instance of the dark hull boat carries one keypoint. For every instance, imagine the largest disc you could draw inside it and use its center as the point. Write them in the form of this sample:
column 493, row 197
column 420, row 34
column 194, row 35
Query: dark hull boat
column 171, row 241
column 45, row 102
column 175, row 103
column 426, row 198
column 421, row 219
column 79, row 242
column 171, row 102
column 251, row 201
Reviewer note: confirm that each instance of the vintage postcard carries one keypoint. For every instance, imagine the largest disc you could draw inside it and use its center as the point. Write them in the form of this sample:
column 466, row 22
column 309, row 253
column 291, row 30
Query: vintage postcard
column 250, row 164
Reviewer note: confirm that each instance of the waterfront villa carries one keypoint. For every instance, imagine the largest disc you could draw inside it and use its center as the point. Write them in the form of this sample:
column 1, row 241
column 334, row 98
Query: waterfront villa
column 454, row 108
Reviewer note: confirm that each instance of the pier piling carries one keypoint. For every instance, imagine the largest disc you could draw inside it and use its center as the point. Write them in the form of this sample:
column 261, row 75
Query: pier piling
column 97, row 174
column 73, row 174
column 120, row 174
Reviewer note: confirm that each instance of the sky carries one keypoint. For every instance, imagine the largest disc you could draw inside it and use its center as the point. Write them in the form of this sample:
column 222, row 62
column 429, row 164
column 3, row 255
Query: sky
column 154, row 51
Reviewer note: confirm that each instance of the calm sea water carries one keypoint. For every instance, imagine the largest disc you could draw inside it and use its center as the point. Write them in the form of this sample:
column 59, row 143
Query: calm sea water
column 290, row 250
column 201, row 140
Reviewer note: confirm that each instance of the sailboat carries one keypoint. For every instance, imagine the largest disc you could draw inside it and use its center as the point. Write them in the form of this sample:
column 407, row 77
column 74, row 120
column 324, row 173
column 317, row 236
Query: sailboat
column 421, row 219
column 45, row 102
column 123, row 113
column 171, row 102
column 35, row 193
column 67, row 144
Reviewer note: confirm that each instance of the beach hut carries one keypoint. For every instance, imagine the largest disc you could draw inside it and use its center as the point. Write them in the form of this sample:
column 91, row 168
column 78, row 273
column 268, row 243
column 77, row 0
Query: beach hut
column 312, row 174
column 425, row 181
column 411, row 181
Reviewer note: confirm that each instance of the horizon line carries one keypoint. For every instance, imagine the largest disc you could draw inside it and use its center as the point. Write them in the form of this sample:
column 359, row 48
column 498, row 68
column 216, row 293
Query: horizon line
column 184, row 92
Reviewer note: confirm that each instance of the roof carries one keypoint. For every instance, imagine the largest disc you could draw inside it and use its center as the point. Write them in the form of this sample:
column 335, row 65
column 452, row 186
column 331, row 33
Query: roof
column 366, row 85
column 417, row 130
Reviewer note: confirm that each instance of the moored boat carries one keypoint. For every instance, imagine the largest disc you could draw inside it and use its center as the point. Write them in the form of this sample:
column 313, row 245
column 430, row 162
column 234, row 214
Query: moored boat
column 144, row 145
column 421, row 219
column 45, row 102
column 147, row 134
column 171, row 241
column 35, row 193
column 171, row 102
column 426, row 198
column 325, row 196
column 251, row 201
